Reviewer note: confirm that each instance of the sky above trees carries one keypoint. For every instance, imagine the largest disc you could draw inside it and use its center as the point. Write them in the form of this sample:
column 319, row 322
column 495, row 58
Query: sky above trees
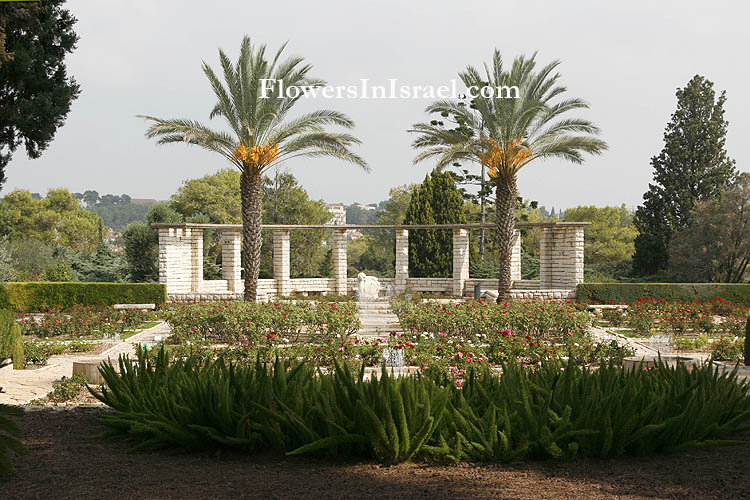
column 626, row 59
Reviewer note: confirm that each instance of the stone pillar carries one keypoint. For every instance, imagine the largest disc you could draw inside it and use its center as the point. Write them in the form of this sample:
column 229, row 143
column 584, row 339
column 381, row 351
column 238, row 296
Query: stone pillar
column 515, row 257
column 175, row 260
column 402, row 260
column 281, row 266
column 339, row 262
column 196, row 258
column 460, row 260
column 561, row 259
column 231, row 259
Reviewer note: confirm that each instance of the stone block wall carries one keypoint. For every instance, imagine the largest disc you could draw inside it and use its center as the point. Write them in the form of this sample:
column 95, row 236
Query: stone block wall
column 561, row 257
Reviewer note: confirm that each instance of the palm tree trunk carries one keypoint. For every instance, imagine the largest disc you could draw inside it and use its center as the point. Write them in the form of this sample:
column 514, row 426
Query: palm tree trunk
column 505, row 217
column 251, row 191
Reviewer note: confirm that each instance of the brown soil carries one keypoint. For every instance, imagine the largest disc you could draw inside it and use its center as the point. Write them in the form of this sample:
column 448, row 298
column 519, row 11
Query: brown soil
column 65, row 461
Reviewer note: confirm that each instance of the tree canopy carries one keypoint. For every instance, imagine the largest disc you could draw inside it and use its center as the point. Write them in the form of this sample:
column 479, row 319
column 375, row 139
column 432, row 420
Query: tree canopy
column 692, row 167
column 37, row 92
column 57, row 219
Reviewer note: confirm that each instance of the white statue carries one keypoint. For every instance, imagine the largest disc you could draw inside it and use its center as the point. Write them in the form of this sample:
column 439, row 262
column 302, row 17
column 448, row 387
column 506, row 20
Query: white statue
column 368, row 287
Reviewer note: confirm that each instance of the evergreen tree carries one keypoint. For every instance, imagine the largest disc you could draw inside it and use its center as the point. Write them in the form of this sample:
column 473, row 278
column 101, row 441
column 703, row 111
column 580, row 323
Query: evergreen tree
column 693, row 166
column 436, row 201
column 422, row 243
column 35, row 37
column 447, row 208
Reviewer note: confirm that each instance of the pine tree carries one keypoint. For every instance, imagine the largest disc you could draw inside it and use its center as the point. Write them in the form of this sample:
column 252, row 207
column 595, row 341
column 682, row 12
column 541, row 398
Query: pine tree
column 693, row 166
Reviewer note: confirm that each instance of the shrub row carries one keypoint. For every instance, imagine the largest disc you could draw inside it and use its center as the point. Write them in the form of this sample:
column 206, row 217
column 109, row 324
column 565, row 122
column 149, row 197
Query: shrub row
column 551, row 411
column 37, row 296
column 625, row 293
column 84, row 321
column 11, row 340
column 256, row 323
column 534, row 318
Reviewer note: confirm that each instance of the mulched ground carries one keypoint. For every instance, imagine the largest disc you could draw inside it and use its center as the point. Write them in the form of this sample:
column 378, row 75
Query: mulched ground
column 65, row 461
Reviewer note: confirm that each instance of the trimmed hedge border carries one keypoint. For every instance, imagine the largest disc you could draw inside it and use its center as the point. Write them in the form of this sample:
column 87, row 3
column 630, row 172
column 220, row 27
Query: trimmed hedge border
column 41, row 295
column 623, row 293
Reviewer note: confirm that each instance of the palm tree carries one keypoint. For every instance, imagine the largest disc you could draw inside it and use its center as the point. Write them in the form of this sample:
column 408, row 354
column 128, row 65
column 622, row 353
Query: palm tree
column 260, row 137
column 506, row 131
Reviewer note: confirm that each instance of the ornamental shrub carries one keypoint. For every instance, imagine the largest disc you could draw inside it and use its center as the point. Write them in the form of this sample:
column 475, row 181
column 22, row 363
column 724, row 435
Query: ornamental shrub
column 11, row 340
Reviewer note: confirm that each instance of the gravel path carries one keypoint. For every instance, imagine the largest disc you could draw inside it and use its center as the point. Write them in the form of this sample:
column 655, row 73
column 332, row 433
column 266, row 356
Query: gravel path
column 22, row 386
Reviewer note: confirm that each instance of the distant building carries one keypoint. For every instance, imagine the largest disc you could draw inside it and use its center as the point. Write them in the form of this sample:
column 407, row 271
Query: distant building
column 353, row 234
column 338, row 214
column 113, row 235
column 370, row 206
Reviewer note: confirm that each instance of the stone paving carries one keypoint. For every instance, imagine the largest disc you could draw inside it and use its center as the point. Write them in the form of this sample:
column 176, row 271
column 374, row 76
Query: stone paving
column 22, row 386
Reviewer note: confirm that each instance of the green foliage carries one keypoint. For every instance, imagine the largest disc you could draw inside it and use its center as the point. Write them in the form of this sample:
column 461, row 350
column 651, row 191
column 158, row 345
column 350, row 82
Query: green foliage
column 609, row 238
column 263, row 324
column 693, row 166
column 215, row 195
column 36, row 87
column 747, row 341
column 11, row 340
column 57, row 219
column 715, row 244
column 547, row 411
column 58, row 272
column 727, row 349
column 41, row 296
column 141, row 252
column 436, row 201
column 624, row 293
column 285, row 201
column 67, row 389
column 9, row 438
column 118, row 211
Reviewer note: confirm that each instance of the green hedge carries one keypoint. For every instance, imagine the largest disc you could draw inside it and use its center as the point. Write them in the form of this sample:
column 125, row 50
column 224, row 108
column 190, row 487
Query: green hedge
column 623, row 293
column 41, row 295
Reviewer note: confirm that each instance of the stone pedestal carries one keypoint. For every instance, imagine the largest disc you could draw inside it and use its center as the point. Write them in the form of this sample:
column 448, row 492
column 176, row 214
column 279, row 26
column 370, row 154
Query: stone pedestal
column 460, row 260
column 281, row 263
column 402, row 260
column 231, row 259
column 339, row 261
column 561, row 259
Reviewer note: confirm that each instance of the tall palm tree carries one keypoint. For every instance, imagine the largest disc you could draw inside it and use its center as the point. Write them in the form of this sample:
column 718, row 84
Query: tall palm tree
column 503, row 134
column 261, row 137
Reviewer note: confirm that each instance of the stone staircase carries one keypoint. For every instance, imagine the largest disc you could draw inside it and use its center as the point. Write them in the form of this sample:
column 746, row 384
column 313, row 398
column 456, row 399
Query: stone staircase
column 377, row 319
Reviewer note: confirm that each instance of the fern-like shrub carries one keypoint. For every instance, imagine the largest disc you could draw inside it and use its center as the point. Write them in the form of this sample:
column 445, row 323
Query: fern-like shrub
column 549, row 411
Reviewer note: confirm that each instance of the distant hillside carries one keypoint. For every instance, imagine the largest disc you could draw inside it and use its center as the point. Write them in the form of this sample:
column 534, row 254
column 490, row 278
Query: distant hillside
column 117, row 211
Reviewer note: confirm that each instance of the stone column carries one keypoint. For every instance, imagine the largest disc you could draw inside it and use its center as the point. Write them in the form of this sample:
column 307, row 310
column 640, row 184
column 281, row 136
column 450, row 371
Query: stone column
column 196, row 258
column 561, row 259
column 402, row 260
column 339, row 262
column 174, row 260
column 460, row 260
column 281, row 266
column 231, row 259
column 515, row 257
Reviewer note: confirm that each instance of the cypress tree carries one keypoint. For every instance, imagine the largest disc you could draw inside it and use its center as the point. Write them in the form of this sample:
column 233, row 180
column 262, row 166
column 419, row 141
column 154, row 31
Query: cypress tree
column 693, row 166
column 422, row 244
column 436, row 201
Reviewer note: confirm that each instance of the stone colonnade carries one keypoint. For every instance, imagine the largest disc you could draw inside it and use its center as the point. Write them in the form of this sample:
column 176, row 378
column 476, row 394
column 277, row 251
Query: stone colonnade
column 181, row 260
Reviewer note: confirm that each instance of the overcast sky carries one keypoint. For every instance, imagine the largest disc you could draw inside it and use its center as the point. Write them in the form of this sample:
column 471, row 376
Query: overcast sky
column 625, row 58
